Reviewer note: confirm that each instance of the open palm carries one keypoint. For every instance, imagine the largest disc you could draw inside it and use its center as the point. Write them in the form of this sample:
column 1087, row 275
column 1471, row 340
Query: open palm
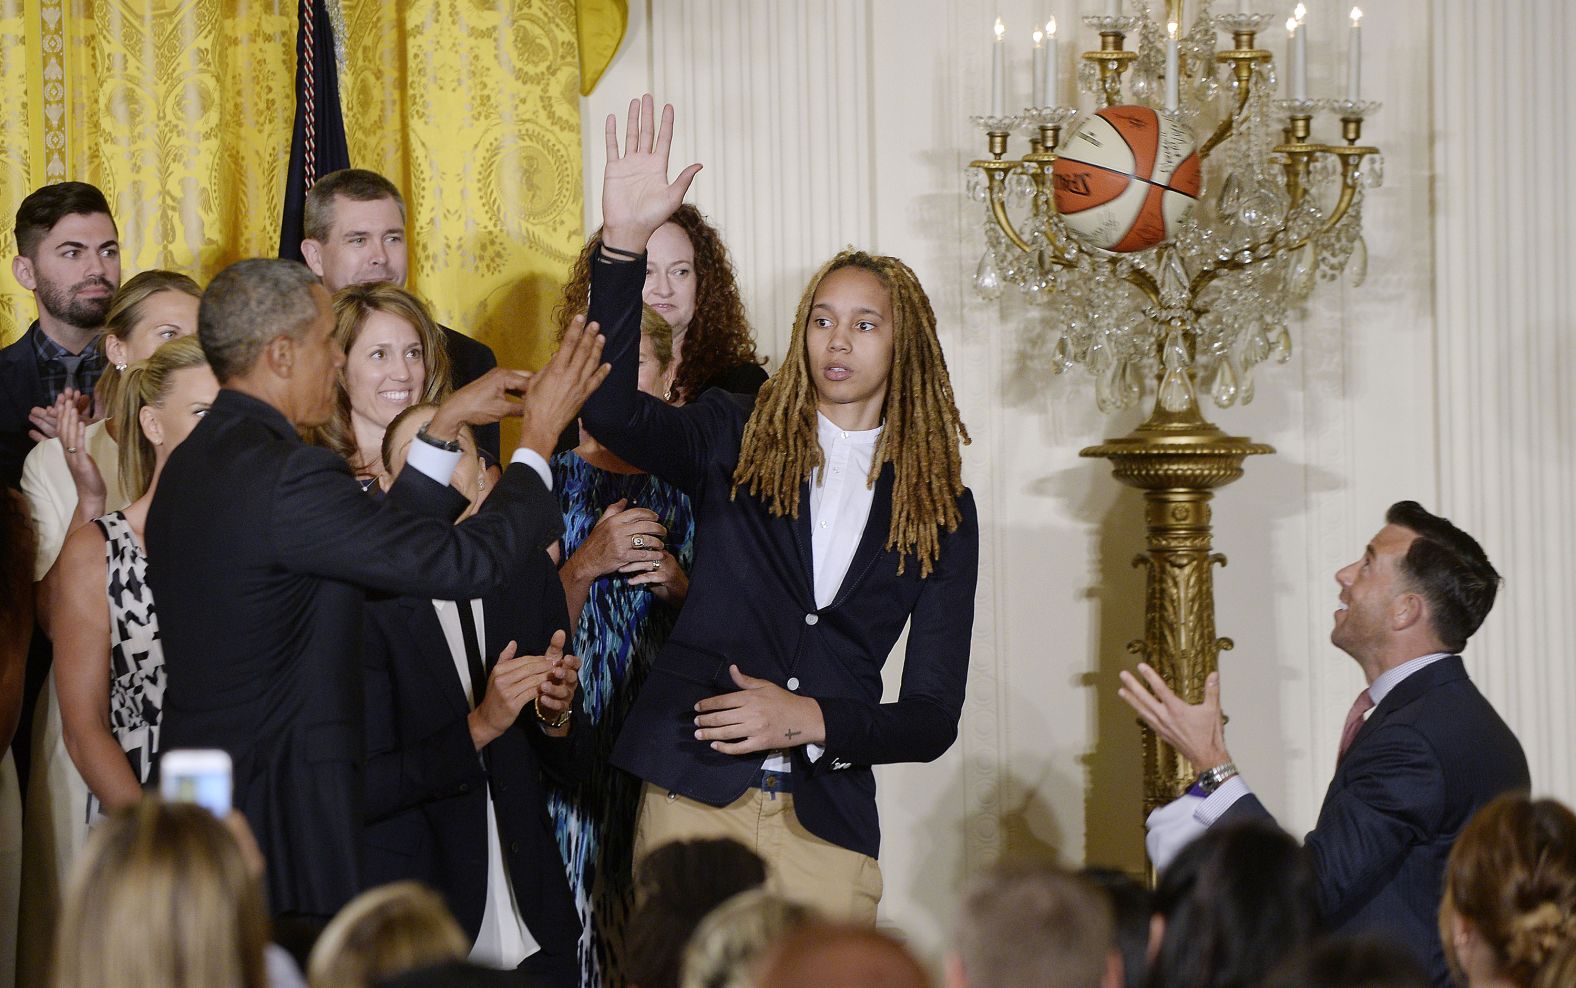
column 636, row 194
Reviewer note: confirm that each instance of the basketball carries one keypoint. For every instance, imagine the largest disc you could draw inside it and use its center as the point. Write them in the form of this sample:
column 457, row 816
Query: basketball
column 1126, row 179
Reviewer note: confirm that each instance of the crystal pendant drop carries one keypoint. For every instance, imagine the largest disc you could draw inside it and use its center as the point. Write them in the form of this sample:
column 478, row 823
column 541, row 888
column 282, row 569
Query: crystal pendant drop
column 1062, row 355
column 1230, row 196
column 1223, row 389
column 1257, row 347
column 1173, row 278
column 1132, row 384
column 1357, row 265
column 1245, row 391
column 1176, row 393
column 1283, row 346
column 987, row 280
column 1299, row 280
column 1106, row 387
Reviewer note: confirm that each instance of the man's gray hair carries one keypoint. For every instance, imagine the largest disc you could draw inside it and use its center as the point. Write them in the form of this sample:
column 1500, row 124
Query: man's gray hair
column 1034, row 925
column 249, row 303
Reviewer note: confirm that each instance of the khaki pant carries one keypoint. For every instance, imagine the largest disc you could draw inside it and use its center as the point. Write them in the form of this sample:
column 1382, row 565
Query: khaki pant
column 841, row 884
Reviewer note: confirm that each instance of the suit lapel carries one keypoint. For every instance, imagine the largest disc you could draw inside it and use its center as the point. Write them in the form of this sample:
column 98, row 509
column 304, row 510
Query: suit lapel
column 803, row 541
column 872, row 541
column 1409, row 689
column 432, row 651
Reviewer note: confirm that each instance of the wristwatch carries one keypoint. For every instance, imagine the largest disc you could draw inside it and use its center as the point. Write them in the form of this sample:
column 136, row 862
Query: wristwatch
column 451, row 446
column 1213, row 778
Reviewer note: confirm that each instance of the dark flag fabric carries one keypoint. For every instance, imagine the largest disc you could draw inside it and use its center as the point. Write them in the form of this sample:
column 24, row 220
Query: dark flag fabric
column 317, row 146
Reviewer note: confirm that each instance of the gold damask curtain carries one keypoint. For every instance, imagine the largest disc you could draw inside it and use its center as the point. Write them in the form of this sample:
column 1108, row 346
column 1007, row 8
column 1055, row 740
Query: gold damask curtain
column 180, row 110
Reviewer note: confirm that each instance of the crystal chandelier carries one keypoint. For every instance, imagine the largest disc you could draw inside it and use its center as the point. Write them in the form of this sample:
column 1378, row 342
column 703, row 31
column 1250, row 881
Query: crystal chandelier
column 1278, row 213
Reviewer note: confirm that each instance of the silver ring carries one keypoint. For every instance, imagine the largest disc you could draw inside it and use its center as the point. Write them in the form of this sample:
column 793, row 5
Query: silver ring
column 656, row 566
column 639, row 541
column 71, row 449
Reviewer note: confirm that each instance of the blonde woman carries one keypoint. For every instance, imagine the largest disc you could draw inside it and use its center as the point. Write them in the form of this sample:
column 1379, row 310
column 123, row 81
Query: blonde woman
column 163, row 896
column 109, row 663
column 394, row 359
column 385, row 932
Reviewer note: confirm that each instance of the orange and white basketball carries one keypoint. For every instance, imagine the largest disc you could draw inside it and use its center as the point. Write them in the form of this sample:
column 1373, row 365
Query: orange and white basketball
column 1127, row 178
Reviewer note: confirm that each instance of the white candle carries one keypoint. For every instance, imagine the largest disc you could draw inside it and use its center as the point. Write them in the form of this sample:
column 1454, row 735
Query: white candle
column 1291, row 57
column 1051, row 69
column 1299, row 81
column 1113, row 8
column 1171, row 65
column 1354, row 58
column 1039, row 68
column 998, row 72
column 1244, row 6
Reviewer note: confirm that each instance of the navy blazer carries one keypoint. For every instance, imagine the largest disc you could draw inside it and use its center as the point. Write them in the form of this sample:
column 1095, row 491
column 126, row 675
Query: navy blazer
column 259, row 551
column 21, row 391
column 469, row 359
column 426, row 791
column 1429, row 757
column 752, row 602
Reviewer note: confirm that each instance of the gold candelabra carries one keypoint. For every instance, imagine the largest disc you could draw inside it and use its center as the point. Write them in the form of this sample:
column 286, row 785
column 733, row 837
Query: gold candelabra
column 1202, row 308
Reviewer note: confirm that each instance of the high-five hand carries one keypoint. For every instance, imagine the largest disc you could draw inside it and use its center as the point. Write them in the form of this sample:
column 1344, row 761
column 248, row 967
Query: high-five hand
column 636, row 194
column 559, row 389
column 483, row 401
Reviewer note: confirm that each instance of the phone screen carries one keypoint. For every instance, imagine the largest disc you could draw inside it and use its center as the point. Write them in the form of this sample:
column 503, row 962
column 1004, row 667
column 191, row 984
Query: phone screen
column 201, row 777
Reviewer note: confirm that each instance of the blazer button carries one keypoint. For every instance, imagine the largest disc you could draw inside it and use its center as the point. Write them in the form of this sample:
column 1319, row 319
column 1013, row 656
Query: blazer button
column 811, row 618
column 465, row 787
column 514, row 847
column 793, row 682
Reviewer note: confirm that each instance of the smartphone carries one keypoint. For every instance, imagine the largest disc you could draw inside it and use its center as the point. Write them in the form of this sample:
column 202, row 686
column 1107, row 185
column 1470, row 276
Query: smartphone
column 196, row 775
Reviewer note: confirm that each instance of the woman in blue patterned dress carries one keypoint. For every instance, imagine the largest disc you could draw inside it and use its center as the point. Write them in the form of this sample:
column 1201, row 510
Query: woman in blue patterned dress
column 628, row 542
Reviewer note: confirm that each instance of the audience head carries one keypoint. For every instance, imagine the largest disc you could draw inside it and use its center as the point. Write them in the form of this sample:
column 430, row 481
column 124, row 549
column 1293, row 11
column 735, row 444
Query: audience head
column 828, row 955
column 68, row 253
column 270, row 324
column 354, row 226
column 469, row 478
column 676, row 885
column 161, row 896
column 158, row 403
column 690, row 282
column 395, row 357
column 1032, row 924
column 1351, row 962
column 726, row 947
column 656, row 355
column 384, row 932
column 150, row 309
column 1510, row 890
column 1131, row 908
column 1235, row 902
column 898, row 363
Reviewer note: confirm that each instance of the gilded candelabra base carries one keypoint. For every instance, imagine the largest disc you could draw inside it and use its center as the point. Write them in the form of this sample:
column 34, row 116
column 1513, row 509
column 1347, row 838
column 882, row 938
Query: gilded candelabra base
column 1177, row 460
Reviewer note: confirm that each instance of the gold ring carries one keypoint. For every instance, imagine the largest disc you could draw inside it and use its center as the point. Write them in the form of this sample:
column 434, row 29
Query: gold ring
column 639, row 541
column 71, row 449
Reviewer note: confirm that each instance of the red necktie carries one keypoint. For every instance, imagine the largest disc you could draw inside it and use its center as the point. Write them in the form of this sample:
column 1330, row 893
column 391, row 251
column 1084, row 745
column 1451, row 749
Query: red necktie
column 1354, row 722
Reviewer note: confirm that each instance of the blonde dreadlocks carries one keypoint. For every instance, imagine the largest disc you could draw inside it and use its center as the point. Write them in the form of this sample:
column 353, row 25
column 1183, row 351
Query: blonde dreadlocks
column 780, row 449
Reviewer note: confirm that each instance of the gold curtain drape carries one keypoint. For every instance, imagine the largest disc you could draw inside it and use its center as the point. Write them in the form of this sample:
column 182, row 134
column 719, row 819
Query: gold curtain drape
column 180, row 110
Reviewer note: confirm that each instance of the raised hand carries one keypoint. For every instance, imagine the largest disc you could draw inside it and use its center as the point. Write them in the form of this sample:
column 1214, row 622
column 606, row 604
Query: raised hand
column 636, row 194
column 1195, row 730
column 559, row 389
column 84, row 472
column 485, row 400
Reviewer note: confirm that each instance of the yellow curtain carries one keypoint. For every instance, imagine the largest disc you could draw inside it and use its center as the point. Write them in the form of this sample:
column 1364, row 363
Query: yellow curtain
column 180, row 110
column 472, row 108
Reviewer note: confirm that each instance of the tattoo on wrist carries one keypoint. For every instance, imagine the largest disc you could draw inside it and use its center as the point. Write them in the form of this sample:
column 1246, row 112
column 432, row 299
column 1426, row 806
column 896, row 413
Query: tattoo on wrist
column 790, row 734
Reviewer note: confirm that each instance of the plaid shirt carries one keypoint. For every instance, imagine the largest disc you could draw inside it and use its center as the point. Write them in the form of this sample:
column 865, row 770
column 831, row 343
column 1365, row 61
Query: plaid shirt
column 52, row 367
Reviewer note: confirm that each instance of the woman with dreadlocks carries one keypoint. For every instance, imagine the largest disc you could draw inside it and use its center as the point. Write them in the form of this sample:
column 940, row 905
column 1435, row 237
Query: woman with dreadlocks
column 826, row 518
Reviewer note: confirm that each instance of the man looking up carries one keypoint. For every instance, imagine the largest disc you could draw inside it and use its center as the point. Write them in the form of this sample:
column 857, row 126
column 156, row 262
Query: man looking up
column 68, row 256
column 354, row 226
column 260, row 549
column 1429, row 754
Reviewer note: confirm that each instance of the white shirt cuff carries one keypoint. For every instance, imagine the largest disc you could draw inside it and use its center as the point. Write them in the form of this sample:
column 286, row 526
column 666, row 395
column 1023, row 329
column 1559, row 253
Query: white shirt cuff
column 432, row 462
column 1171, row 828
column 1215, row 805
column 814, row 752
column 533, row 459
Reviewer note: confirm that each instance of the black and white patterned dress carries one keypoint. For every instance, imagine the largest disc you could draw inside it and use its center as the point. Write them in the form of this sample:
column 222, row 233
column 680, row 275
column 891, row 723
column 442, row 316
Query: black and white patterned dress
column 136, row 658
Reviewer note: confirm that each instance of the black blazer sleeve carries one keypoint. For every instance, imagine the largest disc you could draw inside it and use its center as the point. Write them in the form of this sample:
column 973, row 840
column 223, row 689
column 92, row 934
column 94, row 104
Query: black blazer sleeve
column 923, row 722
column 400, row 774
column 326, row 527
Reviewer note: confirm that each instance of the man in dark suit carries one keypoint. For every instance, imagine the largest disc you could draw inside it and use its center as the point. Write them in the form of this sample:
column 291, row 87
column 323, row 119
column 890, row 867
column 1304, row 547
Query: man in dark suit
column 454, row 788
column 821, row 534
column 260, row 550
column 68, row 256
column 1430, row 752
column 354, row 226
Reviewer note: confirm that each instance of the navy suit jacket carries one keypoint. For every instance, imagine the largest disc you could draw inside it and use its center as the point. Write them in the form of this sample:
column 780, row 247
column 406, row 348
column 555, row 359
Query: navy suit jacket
column 1429, row 757
column 260, row 549
column 752, row 602
column 427, row 785
column 21, row 390
column 470, row 358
